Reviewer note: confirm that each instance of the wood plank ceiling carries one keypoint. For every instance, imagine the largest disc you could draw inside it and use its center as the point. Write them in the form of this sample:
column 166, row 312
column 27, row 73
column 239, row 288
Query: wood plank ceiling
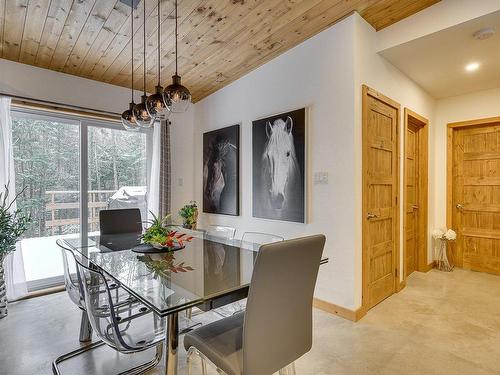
column 219, row 40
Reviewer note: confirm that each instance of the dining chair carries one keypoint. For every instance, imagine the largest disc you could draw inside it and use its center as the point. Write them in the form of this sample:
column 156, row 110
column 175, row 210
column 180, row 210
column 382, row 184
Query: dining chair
column 220, row 231
column 128, row 328
column 276, row 328
column 117, row 221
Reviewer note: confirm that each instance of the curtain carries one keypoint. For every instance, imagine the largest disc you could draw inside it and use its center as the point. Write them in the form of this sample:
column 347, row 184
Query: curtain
column 154, row 174
column 165, row 169
column 14, row 264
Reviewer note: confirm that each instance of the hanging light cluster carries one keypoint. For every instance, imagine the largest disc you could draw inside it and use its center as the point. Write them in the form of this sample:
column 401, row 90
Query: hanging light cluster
column 175, row 98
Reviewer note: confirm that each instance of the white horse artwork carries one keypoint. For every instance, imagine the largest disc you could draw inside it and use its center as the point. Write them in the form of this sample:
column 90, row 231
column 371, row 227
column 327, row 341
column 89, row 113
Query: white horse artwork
column 281, row 171
column 280, row 162
column 279, row 166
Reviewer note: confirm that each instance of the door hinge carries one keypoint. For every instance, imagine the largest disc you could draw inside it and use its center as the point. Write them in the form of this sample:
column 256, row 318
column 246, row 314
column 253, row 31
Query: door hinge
column 396, row 272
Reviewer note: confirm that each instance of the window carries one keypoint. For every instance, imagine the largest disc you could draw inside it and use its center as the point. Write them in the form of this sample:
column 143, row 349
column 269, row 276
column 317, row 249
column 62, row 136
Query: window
column 58, row 160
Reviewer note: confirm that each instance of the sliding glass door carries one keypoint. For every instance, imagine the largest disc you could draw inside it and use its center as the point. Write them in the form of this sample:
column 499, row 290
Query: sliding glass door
column 47, row 177
column 67, row 170
column 117, row 171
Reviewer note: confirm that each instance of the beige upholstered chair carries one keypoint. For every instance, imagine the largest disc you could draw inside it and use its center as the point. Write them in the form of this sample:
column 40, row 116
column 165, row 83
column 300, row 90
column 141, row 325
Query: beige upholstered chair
column 276, row 328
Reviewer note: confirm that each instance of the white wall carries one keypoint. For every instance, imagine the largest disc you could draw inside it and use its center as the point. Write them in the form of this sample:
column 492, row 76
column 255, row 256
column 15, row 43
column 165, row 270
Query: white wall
column 43, row 84
column 374, row 71
column 446, row 13
column 182, row 138
column 317, row 74
column 482, row 104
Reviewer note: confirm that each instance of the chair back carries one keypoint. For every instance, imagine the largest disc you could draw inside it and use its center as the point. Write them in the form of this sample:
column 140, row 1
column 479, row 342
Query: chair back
column 278, row 318
column 261, row 238
column 120, row 324
column 126, row 220
column 70, row 276
column 220, row 231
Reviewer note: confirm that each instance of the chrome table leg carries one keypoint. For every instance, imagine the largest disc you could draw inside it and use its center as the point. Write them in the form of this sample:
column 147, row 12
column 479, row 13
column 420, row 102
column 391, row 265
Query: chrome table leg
column 172, row 344
column 85, row 328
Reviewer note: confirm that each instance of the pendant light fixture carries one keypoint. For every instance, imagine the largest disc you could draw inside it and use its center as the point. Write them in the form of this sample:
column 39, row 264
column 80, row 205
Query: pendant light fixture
column 129, row 121
column 177, row 97
column 155, row 103
column 143, row 118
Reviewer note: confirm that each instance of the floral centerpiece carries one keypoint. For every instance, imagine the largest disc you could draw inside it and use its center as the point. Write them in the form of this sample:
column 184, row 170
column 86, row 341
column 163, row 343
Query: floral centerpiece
column 13, row 223
column 161, row 235
column 442, row 238
column 189, row 214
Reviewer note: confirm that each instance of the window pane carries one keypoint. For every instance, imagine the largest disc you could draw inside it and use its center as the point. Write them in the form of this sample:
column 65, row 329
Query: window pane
column 46, row 161
column 117, row 172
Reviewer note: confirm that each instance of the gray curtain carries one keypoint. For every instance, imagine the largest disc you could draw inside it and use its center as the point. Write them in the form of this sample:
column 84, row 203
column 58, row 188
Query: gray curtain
column 165, row 169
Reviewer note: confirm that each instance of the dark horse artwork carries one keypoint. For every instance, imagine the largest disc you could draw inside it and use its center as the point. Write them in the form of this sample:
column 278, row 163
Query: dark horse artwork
column 221, row 171
column 279, row 144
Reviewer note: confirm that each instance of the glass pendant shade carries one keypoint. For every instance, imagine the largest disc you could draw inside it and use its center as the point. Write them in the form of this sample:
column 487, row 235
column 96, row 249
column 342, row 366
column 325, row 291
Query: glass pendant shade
column 129, row 121
column 177, row 97
column 143, row 118
column 156, row 105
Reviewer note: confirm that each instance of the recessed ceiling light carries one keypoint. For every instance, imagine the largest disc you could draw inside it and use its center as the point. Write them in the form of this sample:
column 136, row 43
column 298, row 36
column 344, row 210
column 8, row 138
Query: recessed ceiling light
column 472, row 66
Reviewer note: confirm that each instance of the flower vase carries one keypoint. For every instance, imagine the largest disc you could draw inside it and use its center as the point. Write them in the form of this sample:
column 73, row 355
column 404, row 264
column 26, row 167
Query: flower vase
column 3, row 291
column 443, row 262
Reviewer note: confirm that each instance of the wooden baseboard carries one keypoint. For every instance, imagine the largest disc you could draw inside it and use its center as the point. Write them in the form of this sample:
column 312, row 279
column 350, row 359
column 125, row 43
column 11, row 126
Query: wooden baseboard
column 401, row 285
column 43, row 292
column 353, row 315
column 430, row 266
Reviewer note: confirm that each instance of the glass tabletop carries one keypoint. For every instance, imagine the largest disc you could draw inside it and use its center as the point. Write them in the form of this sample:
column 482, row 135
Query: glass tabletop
column 172, row 281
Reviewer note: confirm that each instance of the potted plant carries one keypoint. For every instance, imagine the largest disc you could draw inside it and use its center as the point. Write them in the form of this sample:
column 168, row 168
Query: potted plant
column 13, row 223
column 189, row 214
column 160, row 235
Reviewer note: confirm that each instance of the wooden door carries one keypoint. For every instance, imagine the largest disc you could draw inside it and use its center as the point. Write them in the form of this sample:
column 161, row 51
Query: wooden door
column 415, row 193
column 380, row 197
column 412, row 198
column 476, row 197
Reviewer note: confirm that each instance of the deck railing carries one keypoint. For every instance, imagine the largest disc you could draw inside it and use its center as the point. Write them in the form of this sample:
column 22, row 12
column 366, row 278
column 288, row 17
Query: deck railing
column 70, row 200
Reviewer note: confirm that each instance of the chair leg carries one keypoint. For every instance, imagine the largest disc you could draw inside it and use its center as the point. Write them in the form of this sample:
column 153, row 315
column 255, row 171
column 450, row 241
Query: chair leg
column 133, row 371
column 74, row 353
column 288, row 370
column 203, row 365
column 189, row 359
column 192, row 351
column 148, row 365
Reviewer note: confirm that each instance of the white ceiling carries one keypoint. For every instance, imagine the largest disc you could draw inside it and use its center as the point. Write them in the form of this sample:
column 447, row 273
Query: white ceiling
column 437, row 61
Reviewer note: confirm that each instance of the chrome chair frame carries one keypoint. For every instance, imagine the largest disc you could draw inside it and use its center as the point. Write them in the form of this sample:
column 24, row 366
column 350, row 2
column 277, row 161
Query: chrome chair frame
column 120, row 304
column 193, row 352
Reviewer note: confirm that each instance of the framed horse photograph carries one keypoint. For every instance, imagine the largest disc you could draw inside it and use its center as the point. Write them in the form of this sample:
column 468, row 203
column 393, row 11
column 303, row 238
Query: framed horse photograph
column 279, row 145
column 221, row 175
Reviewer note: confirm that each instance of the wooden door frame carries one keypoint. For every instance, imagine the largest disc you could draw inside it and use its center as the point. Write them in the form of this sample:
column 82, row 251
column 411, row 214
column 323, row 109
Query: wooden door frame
column 452, row 126
column 398, row 285
column 423, row 187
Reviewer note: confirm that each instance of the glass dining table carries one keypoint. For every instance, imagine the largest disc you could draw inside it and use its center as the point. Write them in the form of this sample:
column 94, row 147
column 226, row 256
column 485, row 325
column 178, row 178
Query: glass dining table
column 208, row 273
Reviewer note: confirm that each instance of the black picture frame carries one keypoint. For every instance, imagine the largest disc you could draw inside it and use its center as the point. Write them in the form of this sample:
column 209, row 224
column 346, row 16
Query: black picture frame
column 221, row 171
column 279, row 166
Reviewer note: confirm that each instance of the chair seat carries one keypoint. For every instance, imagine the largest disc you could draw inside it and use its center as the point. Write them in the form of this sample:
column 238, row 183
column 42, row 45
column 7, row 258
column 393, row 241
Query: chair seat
column 221, row 343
